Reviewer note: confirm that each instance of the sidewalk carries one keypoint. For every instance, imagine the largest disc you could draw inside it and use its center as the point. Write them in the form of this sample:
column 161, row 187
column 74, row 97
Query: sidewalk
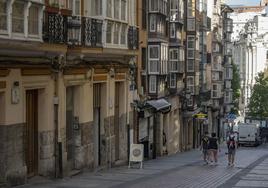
column 122, row 175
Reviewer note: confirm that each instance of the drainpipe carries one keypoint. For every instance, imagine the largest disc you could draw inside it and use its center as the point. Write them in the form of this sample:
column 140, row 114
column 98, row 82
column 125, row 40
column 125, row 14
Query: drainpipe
column 56, row 66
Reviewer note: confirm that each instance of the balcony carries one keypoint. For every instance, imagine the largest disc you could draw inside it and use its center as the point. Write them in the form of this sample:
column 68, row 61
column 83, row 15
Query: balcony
column 133, row 38
column 91, row 32
column 72, row 30
column 55, row 28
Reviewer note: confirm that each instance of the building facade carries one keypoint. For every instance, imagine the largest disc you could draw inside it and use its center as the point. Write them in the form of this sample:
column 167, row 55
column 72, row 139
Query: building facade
column 64, row 65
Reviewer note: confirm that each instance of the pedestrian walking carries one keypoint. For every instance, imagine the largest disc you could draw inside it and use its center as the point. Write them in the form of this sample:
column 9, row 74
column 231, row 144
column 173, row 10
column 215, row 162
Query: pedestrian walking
column 213, row 148
column 204, row 147
column 232, row 146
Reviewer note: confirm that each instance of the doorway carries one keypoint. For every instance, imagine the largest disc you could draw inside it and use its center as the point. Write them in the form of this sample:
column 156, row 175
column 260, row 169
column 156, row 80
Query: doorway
column 31, row 136
column 117, row 119
column 69, row 126
column 96, row 120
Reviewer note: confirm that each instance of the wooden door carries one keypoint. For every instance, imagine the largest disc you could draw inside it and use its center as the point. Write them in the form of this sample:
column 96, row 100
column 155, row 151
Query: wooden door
column 116, row 119
column 31, row 140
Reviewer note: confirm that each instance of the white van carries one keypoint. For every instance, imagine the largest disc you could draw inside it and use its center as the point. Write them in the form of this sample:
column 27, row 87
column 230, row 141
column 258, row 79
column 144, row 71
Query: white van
column 249, row 133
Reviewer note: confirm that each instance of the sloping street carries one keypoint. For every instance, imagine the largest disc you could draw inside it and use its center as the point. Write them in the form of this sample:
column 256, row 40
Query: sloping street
column 180, row 170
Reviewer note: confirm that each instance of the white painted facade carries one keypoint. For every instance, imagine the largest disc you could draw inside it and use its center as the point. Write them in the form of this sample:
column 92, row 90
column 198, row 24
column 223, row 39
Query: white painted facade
column 250, row 54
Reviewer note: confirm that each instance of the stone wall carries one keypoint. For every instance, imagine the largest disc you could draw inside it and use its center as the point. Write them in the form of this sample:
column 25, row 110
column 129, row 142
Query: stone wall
column 13, row 169
column 87, row 142
column 46, row 162
column 123, row 139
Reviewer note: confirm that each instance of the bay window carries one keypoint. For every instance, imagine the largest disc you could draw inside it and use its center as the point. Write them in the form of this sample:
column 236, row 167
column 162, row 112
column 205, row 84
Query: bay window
column 154, row 57
column 190, row 47
column 152, row 23
column 18, row 17
column 190, row 8
column 33, row 28
column 3, row 15
column 152, row 84
column 190, row 84
column 191, row 24
column 190, row 65
column 173, row 59
column 172, row 30
column 216, row 89
column 173, row 80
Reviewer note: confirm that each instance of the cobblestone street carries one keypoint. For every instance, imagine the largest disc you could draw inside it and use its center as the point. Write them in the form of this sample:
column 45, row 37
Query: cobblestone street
column 180, row 170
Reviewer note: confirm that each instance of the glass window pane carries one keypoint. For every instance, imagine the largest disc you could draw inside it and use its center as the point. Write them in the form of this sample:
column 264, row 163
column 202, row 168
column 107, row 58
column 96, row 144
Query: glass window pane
column 3, row 15
column 109, row 8
column 116, row 8
column 18, row 17
column 109, row 32
column 33, row 20
column 123, row 9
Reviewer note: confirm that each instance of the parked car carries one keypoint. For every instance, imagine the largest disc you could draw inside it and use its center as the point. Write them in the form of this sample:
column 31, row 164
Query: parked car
column 249, row 134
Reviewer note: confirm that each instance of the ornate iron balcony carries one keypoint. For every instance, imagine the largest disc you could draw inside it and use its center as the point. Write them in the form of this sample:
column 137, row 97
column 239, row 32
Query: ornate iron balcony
column 91, row 32
column 133, row 38
column 55, row 28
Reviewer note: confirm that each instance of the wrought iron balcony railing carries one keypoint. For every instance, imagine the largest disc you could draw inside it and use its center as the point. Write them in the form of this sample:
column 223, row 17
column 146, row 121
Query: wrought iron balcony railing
column 55, row 28
column 91, row 32
column 72, row 30
column 133, row 38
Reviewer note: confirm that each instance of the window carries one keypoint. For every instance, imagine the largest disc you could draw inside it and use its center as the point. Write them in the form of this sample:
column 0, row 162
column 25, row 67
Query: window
column 18, row 17
column 3, row 15
column 152, row 84
column 109, row 32
column 153, row 5
column 191, row 24
column 174, row 10
column 216, row 90
column 144, row 14
column 123, row 9
column 173, row 59
column 190, row 84
column 164, row 59
column 33, row 20
column 77, row 7
column 116, row 8
column 190, row 65
column 190, row 47
column 191, row 8
column 153, row 59
column 96, row 7
column 152, row 23
column 173, row 80
column 181, row 55
column 123, row 34
column 116, row 33
column 215, row 76
column 228, row 73
column 172, row 30
column 143, row 58
column 228, row 97
column 54, row 3
column 109, row 8
column 181, row 9
column 228, row 84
